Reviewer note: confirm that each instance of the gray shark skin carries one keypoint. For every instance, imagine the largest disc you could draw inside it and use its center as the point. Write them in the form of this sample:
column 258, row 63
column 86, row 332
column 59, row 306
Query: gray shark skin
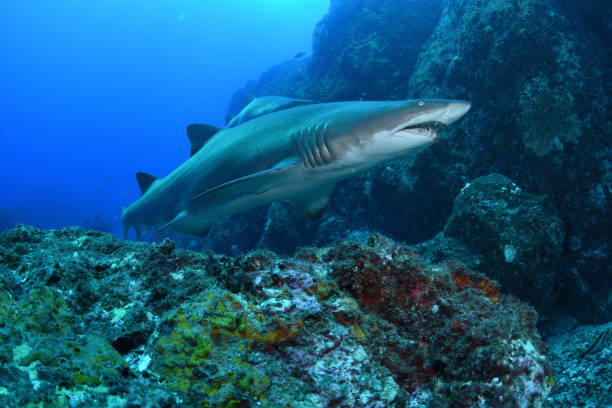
column 199, row 134
column 296, row 154
column 264, row 105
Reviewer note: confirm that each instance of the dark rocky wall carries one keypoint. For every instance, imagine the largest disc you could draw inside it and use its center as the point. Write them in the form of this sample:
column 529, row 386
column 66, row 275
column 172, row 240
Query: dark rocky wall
column 539, row 76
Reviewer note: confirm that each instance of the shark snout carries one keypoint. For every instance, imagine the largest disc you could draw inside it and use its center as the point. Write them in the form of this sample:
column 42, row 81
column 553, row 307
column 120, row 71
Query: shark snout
column 455, row 110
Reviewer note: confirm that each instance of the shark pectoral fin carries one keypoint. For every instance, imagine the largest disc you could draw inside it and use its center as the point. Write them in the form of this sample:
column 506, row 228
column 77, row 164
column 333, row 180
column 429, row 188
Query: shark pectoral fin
column 199, row 134
column 256, row 183
column 144, row 181
column 314, row 203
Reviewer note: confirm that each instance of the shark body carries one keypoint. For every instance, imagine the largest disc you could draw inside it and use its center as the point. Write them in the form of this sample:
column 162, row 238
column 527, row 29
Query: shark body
column 264, row 105
column 296, row 154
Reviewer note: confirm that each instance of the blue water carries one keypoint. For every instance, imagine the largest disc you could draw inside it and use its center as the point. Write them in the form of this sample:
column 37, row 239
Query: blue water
column 93, row 91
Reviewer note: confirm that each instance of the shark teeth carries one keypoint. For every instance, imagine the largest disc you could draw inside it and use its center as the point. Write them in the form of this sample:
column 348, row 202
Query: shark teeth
column 430, row 126
column 429, row 129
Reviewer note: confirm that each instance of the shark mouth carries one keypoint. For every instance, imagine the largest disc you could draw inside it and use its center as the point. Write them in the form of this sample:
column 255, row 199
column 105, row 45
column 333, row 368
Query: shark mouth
column 429, row 129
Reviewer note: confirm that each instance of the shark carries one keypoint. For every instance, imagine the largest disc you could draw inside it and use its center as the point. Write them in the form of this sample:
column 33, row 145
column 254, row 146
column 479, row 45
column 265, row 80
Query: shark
column 263, row 105
column 295, row 153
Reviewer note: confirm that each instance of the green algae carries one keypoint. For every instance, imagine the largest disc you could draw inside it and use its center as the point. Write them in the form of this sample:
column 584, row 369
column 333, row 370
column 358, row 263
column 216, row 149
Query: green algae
column 203, row 347
column 42, row 311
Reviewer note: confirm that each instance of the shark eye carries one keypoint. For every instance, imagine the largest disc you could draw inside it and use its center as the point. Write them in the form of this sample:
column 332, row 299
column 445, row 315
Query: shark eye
column 420, row 103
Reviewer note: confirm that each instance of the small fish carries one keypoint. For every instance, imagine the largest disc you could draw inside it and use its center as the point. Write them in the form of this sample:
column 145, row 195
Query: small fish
column 299, row 55
column 603, row 340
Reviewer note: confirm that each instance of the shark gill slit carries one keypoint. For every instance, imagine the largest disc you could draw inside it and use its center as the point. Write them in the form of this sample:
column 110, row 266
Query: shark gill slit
column 322, row 143
column 312, row 146
column 312, row 139
column 306, row 147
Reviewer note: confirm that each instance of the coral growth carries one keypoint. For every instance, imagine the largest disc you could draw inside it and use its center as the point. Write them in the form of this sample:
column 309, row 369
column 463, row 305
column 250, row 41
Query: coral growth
column 517, row 237
column 88, row 319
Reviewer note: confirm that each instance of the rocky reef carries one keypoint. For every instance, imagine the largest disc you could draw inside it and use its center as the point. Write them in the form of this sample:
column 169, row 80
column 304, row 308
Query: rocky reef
column 583, row 379
column 87, row 319
column 507, row 234
column 539, row 78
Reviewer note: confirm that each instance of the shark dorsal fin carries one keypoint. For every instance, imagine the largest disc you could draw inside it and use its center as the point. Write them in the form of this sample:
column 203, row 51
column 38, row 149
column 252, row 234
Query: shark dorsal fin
column 314, row 202
column 144, row 181
column 199, row 134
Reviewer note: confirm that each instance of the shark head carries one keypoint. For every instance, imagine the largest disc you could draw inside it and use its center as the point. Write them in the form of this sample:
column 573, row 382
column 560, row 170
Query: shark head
column 375, row 132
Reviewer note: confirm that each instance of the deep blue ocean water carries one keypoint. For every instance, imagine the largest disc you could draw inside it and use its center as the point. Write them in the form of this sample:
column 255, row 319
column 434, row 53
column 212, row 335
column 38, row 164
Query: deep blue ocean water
column 93, row 91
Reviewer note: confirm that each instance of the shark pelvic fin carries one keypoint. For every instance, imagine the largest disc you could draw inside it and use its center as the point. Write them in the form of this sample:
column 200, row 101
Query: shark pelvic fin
column 195, row 228
column 314, row 203
column 199, row 134
column 176, row 219
column 256, row 183
column 144, row 181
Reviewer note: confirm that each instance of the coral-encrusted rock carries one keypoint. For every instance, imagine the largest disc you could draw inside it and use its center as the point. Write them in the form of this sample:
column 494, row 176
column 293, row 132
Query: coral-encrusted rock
column 96, row 321
column 518, row 236
column 453, row 328
column 579, row 362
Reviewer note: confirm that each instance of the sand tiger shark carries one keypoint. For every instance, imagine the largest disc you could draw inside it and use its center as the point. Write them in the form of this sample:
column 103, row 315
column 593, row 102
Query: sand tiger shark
column 295, row 153
column 263, row 105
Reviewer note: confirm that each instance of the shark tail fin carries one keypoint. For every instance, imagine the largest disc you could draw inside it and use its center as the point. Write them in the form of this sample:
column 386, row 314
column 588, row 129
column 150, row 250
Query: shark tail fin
column 144, row 181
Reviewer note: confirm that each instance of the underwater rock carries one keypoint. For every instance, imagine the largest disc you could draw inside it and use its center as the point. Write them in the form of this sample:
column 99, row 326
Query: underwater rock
column 517, row 236
column 285, row 228
column 361, row 49
column 581, row 381
column 539, row 117
column 88, row 319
